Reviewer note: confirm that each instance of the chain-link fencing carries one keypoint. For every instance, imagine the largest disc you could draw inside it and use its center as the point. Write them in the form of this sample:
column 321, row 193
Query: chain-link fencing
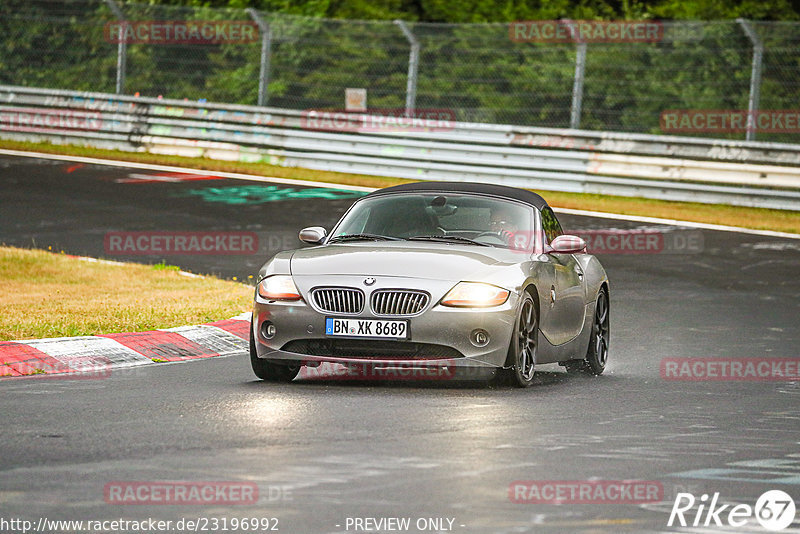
column 705, row 72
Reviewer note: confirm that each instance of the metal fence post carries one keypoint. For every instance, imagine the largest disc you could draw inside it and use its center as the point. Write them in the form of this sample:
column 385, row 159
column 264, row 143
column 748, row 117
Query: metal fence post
column 577, row 83
column 266, row 53
column 577, row 87
column 122, row 47
column 413, row 63
column 755, row 77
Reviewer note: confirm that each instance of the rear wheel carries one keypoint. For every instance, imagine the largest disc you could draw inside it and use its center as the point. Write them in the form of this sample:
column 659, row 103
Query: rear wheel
column 273, row 372
column 523, row 347
column 597, row 353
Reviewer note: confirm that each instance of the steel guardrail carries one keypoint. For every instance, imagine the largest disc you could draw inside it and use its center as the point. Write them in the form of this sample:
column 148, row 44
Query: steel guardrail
column 743, row 173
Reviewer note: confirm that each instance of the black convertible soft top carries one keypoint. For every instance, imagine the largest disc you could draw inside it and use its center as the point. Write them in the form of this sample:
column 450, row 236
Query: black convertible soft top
column 503, row 191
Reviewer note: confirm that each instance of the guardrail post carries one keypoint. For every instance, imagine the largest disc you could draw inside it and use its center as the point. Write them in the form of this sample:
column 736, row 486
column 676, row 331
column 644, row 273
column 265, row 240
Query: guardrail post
column 755, row 77
column 266, row 54
column 577, row 83
column 413, row 63
column 122, row 47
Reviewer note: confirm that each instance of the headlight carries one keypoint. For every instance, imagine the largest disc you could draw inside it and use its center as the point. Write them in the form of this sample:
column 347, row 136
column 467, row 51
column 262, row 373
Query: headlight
column 475, row 295
column 278, row 287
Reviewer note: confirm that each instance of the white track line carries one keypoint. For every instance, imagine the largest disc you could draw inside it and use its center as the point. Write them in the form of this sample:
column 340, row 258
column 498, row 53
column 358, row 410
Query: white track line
column 675, row 222
column 289, row 181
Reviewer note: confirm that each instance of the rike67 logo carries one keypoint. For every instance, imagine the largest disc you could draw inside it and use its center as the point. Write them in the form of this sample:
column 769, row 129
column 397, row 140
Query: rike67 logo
column 774, row 510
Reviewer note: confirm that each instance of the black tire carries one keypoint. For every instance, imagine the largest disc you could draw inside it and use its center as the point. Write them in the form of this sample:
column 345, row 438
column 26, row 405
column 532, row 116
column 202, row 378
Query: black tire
column 597, row 353
column 272, row 372
column 522, row 349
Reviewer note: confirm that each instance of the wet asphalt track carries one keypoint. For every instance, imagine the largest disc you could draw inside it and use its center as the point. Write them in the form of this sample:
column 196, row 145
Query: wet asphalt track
column 419, row 450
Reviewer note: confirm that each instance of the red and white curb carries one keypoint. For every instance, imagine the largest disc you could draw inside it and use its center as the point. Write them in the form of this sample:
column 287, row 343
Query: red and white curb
column 96, row 356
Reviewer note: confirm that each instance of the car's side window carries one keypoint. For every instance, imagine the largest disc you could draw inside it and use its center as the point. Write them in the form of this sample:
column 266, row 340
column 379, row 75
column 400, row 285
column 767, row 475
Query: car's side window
column 552, row 228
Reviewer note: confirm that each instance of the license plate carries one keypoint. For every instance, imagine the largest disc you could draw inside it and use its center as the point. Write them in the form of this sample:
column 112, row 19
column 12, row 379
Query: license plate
column 374, row 328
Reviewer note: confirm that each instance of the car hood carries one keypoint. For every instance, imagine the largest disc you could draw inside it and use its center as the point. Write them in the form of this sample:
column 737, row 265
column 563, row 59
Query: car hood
column 411, row 260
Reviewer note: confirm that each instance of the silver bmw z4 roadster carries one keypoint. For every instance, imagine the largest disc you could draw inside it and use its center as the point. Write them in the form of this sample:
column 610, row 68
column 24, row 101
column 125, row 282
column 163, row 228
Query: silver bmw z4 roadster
column 450, row 279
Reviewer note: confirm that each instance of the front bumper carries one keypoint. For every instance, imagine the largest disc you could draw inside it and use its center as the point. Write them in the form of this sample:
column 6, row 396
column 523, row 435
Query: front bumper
column 439, row 335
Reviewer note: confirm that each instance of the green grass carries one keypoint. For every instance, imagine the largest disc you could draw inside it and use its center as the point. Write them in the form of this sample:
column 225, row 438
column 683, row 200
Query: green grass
column 44, row 294
column 161, row 266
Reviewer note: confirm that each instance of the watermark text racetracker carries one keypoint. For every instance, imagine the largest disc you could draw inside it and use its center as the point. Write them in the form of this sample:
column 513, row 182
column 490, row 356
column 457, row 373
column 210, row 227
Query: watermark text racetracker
column 77, row 368
column 389, row 371
column 178, row 243
column 379, row 120
column 616, row 241
column 182, row 32
column 642, row 241
column 180, row 493
column 730, row 369
column 183, row 493
column 730, row 121
column 22, row 119
column 585, row 491
column 586, row 31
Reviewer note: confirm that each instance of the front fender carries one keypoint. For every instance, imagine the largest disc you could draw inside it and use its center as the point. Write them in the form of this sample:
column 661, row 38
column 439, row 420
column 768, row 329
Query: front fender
column 278, row 264
column 594, row 275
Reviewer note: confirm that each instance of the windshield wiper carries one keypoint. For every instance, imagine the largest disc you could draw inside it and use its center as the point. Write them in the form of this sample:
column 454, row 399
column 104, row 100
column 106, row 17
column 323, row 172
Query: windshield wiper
column 363, row 237
column 446, row 238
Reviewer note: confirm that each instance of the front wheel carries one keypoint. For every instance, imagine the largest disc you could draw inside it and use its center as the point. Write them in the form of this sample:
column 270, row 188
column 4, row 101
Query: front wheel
column 524, row 342
column 272, row 372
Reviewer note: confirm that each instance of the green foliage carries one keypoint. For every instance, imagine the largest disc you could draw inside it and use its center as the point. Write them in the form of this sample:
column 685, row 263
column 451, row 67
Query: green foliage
column 511, row 10
column 473, row 67
column 33, row 40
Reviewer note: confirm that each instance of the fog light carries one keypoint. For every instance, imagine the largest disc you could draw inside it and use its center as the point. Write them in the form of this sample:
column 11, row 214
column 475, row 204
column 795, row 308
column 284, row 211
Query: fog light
column 267, row 330
column 479, row 337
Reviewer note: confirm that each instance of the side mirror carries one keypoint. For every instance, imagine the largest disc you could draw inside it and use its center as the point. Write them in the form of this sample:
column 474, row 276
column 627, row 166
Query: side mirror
column 567, row 244
column 313, row 234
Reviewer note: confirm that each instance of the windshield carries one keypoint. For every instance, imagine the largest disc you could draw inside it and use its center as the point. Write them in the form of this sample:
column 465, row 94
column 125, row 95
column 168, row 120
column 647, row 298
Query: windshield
column 456, row 217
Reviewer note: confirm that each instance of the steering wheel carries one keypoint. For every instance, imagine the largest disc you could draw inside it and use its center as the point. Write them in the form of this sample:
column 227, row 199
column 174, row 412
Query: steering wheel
column 496, row 237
